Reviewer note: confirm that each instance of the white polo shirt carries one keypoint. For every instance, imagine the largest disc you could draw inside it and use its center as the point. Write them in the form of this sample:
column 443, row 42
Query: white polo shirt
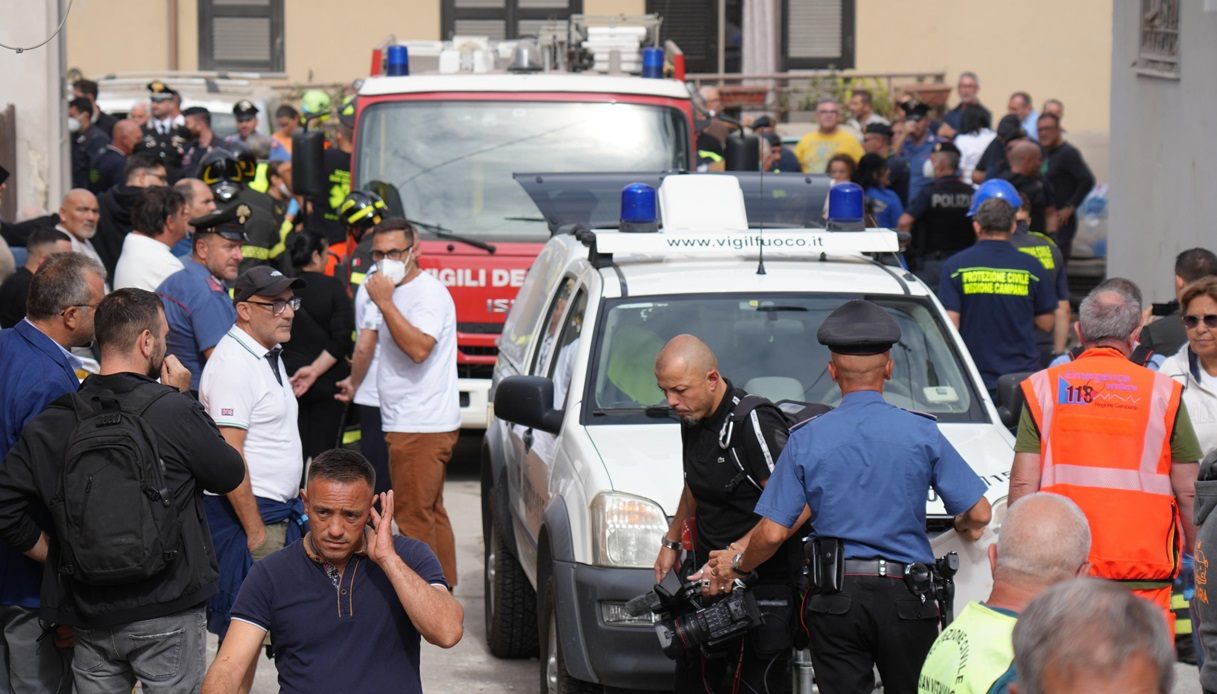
column 144, row 263
column 367, row 317
column 421, row 398
column 238, row 389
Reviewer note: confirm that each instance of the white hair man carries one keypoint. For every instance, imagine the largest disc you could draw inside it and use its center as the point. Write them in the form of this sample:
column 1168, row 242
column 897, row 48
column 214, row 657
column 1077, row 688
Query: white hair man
column 1092, row 635
column 1044, row 540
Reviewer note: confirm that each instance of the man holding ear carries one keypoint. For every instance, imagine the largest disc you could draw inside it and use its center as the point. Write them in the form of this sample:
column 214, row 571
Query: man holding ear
column 419, row 404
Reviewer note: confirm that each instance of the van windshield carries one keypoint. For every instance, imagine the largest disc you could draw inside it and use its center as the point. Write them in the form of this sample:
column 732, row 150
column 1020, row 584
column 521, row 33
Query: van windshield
column 766, row 344
column 452, row 161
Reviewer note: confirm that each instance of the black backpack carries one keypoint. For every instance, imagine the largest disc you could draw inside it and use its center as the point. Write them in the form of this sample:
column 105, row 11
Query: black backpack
column 792, row 412
column 113, row 513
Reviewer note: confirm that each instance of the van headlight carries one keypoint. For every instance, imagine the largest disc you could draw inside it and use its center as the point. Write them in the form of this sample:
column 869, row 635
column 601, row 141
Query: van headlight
column 626, row 530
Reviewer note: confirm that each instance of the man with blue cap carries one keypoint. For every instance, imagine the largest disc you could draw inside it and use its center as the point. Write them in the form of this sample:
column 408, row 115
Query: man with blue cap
column 864, row 470
column 995, row 294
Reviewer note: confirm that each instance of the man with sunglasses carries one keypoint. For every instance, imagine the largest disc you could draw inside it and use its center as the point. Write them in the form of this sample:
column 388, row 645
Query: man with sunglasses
column 246, row 390
column 1115, row 438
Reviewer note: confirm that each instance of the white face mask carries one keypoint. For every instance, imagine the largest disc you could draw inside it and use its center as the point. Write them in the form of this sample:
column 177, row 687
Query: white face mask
column 287, row 192
column 393, row 270
column 927, row 169
column 73, row 125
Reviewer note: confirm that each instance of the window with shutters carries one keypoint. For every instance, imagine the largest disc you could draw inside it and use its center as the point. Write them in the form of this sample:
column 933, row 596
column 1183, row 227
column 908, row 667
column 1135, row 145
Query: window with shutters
column 241, row 35
column 1158, row 55
column 503, row 19
column 692, row 25
column 817, row 34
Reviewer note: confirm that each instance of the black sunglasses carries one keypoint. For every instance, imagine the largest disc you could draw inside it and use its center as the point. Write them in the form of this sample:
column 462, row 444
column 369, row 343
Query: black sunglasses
column 1192, row 322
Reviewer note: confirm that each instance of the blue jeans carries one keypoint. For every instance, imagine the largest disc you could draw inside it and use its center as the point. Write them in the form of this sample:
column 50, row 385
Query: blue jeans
column 166, row 654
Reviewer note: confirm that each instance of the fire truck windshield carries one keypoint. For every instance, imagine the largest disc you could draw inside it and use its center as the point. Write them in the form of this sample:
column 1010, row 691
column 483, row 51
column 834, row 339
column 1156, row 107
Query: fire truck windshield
column 452, row 161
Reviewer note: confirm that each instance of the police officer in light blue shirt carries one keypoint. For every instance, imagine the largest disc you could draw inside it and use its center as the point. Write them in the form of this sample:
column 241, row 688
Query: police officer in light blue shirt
column 197, row 304
column 864, row 469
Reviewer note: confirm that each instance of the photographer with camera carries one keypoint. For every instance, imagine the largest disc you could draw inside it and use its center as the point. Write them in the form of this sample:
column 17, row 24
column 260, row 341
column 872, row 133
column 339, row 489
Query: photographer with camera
column 726, row 465
column 864, row 470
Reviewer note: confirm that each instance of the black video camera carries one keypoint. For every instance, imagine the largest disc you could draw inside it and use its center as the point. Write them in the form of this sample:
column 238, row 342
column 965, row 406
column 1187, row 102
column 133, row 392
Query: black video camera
column 683, row 624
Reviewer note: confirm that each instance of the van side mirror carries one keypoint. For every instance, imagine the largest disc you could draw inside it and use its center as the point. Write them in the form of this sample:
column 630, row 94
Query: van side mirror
column 527, row 401
column 308, row 166
column 1010, row 398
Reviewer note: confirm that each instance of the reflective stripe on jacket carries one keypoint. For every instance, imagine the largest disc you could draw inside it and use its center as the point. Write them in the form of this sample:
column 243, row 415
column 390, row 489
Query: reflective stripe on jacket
column 1105, row 429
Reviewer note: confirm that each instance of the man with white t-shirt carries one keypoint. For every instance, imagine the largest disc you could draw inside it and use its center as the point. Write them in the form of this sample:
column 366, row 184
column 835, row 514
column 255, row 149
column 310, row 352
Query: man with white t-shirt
column 159, row 221
column 360, row 387
column 419, row 403
column 246, row 390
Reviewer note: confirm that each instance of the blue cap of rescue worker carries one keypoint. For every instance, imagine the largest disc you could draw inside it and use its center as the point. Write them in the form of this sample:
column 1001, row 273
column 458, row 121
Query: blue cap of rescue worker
column 995, row 188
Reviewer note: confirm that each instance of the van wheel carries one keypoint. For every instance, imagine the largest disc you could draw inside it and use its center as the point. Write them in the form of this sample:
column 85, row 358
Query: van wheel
column 554, row 677
column 510, row 602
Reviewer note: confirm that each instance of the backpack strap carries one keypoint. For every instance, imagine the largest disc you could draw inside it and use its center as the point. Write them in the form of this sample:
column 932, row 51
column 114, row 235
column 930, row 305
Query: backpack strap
column 1141, row 355
column 743, row 411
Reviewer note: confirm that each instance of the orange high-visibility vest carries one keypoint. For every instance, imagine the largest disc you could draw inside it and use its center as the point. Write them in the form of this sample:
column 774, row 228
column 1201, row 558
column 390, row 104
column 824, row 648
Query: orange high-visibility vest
column 1105, row 430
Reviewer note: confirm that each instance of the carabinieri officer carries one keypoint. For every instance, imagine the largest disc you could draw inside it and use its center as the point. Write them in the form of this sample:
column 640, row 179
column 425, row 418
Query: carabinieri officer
column 864, row 469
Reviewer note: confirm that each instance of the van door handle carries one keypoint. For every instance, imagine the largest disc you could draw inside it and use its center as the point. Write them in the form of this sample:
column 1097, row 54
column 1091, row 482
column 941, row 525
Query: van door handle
column 527, row 439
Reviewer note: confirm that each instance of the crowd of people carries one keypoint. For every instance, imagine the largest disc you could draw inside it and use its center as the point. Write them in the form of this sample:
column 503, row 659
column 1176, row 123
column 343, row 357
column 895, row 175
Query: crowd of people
column 212, row 315
column 181, row 272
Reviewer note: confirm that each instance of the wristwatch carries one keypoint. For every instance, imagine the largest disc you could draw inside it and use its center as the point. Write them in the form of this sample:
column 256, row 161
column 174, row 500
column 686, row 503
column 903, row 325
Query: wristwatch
column 735, row 563
column 670, row 544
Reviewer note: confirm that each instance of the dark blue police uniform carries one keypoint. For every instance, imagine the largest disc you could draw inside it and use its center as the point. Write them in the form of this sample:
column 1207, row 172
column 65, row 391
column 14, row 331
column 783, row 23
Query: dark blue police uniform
column 998, row 291
column 198, row 307
column 864, row 470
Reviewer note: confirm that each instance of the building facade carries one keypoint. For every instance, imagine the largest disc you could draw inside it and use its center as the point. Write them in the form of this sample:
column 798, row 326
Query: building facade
column 1162, row 105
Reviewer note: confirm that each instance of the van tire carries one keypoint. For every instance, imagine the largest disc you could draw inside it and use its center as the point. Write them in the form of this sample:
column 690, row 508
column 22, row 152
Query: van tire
column 510, row 600
column 554, row 677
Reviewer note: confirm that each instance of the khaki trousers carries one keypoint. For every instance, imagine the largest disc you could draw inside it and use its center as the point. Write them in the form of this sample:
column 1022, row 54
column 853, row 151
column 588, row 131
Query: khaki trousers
column 417, row 463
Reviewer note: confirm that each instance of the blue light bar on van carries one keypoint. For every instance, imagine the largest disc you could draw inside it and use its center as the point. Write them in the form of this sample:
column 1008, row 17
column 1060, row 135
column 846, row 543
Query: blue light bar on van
column 846, row 203
column 397, row 61
column 639, row 212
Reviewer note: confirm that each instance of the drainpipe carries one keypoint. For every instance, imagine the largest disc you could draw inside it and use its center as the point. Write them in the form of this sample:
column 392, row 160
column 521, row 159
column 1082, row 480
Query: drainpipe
column 173, row 34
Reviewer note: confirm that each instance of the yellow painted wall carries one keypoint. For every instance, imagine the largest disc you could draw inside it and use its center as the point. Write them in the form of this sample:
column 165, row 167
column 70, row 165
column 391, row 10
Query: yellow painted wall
column 1048, row 48
column 105, row 36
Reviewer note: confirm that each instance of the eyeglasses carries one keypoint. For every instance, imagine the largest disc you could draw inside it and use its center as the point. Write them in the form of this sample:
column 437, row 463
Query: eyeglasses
column 392, row 254
column 1193, row 322
column 78, row 306
column 278, row 307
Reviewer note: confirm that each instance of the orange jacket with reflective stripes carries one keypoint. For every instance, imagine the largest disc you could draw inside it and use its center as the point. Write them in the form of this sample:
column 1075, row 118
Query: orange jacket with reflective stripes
column 1105, row 430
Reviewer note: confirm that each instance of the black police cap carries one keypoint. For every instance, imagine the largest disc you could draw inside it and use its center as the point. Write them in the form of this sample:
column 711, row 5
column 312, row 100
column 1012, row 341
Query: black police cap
column 228, row 222
column 859, row 327
column 880, row 129
column 915, row 110
column 244, row 109
column 159, row 90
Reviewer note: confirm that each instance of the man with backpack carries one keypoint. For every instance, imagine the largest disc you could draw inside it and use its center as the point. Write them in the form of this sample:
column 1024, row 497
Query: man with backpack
column 730, row 442
column 122, row 465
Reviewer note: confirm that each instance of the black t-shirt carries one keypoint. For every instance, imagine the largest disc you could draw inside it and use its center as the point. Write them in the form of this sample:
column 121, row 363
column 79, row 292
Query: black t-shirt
column 1067, row 174
column 13, row 294
column 324, row 322
column 725, row 498
column 941, row 214
column 336, row 170
column 1039, row 192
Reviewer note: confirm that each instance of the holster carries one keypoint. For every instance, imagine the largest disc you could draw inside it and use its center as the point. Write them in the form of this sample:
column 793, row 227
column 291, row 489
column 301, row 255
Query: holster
column 827, row 565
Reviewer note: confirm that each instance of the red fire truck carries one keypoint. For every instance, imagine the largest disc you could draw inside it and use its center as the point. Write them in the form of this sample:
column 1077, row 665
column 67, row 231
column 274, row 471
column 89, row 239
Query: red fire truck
column 450, row 140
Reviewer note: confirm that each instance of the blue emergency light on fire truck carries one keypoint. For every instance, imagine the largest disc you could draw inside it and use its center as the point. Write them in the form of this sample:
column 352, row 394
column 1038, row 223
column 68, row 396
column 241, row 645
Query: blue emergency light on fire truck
column 441, row 127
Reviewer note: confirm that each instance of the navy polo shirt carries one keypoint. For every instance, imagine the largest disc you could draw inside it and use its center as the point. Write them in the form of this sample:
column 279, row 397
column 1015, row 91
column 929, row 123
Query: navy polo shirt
column 865, row 469
column 354, row 637
column 199, row 312
column 998, row 291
